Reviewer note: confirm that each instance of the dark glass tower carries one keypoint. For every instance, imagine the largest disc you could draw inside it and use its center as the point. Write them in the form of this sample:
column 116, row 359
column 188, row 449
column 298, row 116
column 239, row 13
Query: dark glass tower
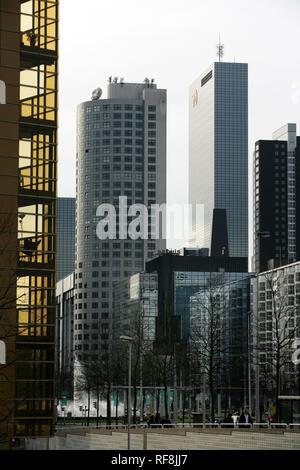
column 65, row 240
column 276, row 198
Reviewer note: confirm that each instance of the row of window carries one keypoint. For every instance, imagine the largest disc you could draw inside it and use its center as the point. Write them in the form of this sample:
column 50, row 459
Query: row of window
column 119, row 107
column 113, row 133
column 93, row 336
column 94, row 316
column 94, row 347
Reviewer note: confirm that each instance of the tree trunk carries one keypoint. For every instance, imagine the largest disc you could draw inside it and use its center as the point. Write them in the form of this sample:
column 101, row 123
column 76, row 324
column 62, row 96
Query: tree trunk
column 117, row 406
column 166, row 401
column 97, row 421
column 212, row 397
column 134, row 403
column 277, row 391
column 108, row 404
column 158, row 400
column 89, row 404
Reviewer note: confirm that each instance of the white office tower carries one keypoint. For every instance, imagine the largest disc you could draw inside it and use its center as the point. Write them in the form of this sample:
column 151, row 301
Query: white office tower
column 121, row 151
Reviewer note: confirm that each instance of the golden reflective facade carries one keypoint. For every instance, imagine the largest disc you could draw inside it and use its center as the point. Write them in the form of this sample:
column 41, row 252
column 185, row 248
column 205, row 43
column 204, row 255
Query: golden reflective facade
column 35, row 218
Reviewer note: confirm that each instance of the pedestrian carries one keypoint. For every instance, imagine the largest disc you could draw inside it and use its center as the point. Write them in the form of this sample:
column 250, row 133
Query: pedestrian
column 151, row 421
column 229, row 421
column 245, row 419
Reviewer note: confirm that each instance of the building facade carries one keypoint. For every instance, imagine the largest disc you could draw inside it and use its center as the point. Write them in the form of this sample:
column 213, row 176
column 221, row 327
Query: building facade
column 65, row 335
column 65, row 237
column 186, row 284
column 219, row 314
column 121, row 151
column 218, row 157
column 29, row 57
column 275, row 335
column 135, row 308
column 276, row 197
column 173, row 301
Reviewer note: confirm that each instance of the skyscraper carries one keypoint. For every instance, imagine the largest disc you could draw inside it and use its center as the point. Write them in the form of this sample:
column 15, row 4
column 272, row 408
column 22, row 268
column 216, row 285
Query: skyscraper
column 276, row 198
column 121, row 151
column 65, row 237
column 218, row 157
column 28, row 155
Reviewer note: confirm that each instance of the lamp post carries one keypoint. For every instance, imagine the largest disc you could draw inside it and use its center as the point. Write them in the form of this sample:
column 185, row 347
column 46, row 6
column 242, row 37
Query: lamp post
column 249, row 364
column 128, row 340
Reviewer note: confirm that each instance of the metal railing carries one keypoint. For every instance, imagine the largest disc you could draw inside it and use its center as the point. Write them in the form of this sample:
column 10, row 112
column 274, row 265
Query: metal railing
column 232, row 426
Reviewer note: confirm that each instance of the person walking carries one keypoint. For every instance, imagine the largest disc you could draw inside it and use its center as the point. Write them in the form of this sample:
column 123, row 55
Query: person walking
column 245, row 419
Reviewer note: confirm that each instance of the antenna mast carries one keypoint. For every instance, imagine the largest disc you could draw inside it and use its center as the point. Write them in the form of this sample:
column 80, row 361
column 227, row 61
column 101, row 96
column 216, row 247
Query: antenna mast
column 220, row 50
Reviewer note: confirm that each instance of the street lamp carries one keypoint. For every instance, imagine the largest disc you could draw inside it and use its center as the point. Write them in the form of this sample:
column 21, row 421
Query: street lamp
column 128, row 340
column 249, row 362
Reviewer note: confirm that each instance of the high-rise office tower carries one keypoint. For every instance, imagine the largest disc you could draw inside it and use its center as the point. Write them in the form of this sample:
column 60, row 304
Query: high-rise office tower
column 121, row 151
column 28, row 155
column 276, row 198
column 65, row 237
column 218, row 157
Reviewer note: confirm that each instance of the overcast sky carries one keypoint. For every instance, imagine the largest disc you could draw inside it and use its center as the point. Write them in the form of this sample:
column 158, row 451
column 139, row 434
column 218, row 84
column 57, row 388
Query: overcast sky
column 174, row 41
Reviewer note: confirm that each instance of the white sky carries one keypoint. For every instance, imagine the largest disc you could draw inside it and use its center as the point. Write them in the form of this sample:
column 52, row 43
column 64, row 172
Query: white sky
column 174, row 41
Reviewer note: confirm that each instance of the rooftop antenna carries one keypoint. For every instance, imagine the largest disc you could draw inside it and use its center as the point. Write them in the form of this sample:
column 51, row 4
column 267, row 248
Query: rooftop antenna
column 220, row 50
column 110, row 79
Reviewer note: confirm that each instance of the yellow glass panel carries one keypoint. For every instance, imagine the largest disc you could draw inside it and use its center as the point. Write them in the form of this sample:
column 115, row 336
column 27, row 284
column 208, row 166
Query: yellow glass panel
column 51, row 45
column 25, row 148
column 51, row 68
column 40, row 224
column 23, row 330
column 26, row 22
column 26, row 7
column 50, row 116
column 51, row 12
column 22, row 292
column 29, row 77
column 25, row 110
column 50, row 97
column 51, row 83
column 23, row 162
column 38, row 317
column 27, row 92
column 51, row 30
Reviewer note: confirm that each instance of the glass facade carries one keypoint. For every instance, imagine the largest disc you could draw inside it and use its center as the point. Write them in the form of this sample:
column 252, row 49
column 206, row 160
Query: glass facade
column 219, row 312
column 275, row 325
column 218, row 149
column 65, row 334
column 65, row 238
column 135, row 307
column 34, row 409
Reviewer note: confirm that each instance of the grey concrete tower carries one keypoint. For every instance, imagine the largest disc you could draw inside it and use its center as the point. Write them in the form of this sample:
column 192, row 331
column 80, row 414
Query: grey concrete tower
column 218, row 156
column 121, row 151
